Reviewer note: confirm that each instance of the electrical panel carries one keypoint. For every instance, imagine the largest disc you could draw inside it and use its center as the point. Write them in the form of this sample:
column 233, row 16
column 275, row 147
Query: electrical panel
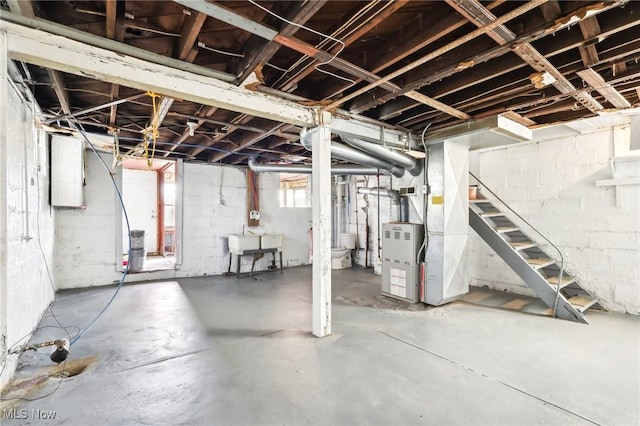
column 400, row 270
column 67, row 172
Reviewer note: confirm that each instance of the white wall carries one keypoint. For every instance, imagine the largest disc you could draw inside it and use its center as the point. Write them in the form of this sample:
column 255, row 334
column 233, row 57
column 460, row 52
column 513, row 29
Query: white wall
column 29, row 222
column 552, row 185
column 85, row 239
column 207, row 221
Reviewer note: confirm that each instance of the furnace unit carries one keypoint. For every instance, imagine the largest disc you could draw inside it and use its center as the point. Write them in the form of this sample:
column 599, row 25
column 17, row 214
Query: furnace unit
column 400, row 270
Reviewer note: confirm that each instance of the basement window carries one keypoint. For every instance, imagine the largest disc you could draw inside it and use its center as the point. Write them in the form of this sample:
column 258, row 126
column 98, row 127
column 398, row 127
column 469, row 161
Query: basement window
column 294, row 191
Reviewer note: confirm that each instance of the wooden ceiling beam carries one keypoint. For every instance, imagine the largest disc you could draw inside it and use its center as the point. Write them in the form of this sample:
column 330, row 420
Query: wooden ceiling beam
column 590, row 29
column 478, row 81
column 259, row 51
column 59, row 87
column 184, row 50
column 595, row 80
column 456, row 63
column 551, row 10
column 22, row 7
column 27, row 9
column 208, row 113
column 111, row 13
column 388, row 10
column 248, row 141
column 518, row 11
column 115, row 92
column 276, row 144
column 115, row 30
column 45, row 49
column 227, row 15
column 516, row 98
column 619, row 68
column 486, row 75
column 410, row 44
column 189, row 34
column 477, row 14
column 241, row 120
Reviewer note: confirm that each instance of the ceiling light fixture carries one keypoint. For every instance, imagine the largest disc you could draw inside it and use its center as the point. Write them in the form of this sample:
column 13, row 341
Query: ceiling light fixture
column 192, row 125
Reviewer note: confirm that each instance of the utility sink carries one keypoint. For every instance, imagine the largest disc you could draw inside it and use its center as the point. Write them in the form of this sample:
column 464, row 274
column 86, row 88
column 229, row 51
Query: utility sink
column 239, row 243
column 268, row 241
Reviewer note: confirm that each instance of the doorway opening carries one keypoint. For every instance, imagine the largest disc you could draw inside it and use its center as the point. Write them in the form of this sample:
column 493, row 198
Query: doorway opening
column 149, row 195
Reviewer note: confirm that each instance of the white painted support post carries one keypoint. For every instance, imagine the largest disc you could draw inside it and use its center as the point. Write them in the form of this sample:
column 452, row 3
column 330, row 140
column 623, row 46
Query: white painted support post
column 321, row 203
column 3, row 207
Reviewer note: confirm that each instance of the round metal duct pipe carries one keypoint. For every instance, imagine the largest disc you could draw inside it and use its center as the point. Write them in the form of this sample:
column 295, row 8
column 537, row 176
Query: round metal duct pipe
column 389, row 193
column 398, row 158
column 402, row 211
column 338, row 169
column 348, row 153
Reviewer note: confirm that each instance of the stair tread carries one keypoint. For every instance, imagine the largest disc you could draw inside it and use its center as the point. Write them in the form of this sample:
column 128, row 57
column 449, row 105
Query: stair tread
column 491, row 214
column 540, row 262
column 500, row 229
column 583, row 301
column 480, row 200
column 565, row 280
column 519, row 245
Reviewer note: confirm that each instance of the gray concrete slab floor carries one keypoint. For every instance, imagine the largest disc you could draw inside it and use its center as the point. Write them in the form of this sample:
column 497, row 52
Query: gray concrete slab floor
column 228, row 351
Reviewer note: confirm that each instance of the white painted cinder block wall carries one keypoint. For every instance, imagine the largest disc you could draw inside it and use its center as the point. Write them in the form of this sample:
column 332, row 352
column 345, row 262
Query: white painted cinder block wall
column 85, row 238
column 552, row 185
column 30, row 223
column 207, row 221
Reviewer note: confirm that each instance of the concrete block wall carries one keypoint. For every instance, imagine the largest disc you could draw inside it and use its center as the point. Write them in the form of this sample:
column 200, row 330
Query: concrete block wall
column 86, row 238
column 29, row 224
column 208, row 221
column 552, row 185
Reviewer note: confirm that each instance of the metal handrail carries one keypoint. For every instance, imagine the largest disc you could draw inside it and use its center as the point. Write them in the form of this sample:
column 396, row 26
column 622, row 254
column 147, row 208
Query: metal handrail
column 555, row 304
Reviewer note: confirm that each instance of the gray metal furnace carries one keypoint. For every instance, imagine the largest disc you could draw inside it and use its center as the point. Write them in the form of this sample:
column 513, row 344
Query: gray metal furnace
column 400, row 269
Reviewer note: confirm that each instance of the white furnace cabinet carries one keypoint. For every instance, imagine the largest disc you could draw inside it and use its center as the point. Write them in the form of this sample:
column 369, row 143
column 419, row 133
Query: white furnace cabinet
column 400, row 271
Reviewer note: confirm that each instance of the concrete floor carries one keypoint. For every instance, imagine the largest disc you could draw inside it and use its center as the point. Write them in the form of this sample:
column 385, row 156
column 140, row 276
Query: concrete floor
column 219, row 350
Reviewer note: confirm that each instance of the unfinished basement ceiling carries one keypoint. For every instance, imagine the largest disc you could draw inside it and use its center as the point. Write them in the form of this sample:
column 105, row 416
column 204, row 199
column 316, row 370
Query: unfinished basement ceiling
column 559, row 61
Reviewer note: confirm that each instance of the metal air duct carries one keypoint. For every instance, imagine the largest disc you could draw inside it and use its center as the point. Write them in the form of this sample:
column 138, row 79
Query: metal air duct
column 483, row 133
column 347, row 153
column 395, row 157
column 402, row 211
column 338, row 169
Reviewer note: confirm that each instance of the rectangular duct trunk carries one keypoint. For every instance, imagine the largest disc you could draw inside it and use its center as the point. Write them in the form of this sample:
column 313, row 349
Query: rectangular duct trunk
column 447, row 273
column 484, row 133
